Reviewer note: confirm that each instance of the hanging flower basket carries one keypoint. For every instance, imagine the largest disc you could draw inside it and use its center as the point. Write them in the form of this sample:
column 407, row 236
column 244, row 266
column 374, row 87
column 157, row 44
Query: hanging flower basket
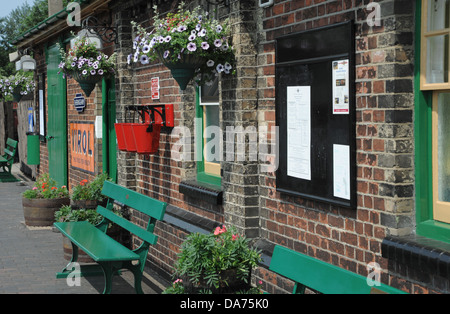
column 190, row 43
column 17, row 95
column 16, row 86
column 183, row 70
column 87, row 82
column 86, row 64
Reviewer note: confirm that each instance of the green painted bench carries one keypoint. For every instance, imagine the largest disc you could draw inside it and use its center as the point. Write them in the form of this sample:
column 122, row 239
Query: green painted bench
column 7, row 159
column 309, row 272
column 109, row 255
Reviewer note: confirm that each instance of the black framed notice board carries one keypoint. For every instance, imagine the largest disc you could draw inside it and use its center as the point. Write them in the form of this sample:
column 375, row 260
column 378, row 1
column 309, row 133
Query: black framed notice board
column 315, row 112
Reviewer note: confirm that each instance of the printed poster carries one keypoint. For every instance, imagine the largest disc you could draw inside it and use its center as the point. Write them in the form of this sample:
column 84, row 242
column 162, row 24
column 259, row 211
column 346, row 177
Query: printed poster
column 341, row 171
column 299, row 132
column 341, row 88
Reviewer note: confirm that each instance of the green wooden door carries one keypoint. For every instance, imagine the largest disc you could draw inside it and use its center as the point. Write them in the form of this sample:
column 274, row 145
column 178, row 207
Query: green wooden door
column 57, row 118
column 109, row 133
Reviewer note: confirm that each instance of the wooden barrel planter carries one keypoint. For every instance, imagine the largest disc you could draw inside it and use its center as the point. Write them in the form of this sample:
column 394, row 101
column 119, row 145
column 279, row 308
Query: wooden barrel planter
column 41, row 212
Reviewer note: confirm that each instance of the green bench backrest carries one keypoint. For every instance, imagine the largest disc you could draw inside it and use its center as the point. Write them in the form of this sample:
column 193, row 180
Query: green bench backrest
column 153, row 208
column 321, row 276
column 10, row 150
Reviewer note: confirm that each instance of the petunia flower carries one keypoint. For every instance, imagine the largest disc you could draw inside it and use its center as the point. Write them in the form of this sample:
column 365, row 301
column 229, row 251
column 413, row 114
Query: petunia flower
column 145, row 59
column 191, row 47
column 205, row 45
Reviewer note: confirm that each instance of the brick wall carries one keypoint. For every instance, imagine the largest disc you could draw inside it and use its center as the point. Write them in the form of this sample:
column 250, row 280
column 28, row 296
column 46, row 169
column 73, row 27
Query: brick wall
column 348, row 238
column 384, row 138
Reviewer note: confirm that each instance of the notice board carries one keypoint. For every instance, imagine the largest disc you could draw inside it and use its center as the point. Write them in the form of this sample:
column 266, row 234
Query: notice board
column 315, row 112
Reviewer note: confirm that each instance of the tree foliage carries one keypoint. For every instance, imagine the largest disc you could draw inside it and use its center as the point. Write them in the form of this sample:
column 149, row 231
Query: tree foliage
column 20, row 20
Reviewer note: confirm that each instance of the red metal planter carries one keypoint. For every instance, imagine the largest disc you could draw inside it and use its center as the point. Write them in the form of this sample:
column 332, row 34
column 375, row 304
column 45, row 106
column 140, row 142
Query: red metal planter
column 146, row 142
column 129, row 136
column 120, row 136
column 135, row 137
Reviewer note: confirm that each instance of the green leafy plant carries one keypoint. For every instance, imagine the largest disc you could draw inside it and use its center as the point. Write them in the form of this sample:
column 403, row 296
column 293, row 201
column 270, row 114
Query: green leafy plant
column 46, row 188
column 67, row 214
column 86, row 190
column 204, row 257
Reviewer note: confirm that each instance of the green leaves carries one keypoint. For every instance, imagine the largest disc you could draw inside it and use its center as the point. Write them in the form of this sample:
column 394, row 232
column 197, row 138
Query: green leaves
column 204, row 257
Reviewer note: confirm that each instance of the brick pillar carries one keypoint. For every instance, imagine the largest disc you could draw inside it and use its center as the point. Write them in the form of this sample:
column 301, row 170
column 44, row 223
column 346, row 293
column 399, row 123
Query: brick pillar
column 385, row 105
column 126, row 162
column 239, row 110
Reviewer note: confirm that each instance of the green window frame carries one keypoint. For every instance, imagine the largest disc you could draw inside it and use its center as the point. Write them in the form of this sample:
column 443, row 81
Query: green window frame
column 207, row 172
column 423, row 126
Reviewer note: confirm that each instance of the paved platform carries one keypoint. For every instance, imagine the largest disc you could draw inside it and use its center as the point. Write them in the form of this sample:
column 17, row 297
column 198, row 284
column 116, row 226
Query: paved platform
column 30, row 257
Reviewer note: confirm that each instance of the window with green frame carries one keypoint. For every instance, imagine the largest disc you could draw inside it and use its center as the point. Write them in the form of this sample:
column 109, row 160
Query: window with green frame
column 208, row 134
column 432, row 119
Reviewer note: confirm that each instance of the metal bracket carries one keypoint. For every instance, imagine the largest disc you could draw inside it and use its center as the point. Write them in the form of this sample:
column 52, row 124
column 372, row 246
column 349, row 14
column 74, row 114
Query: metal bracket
column 155, row 114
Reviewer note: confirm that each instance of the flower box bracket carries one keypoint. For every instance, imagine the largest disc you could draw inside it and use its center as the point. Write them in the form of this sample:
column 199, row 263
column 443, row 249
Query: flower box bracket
column 159, row 114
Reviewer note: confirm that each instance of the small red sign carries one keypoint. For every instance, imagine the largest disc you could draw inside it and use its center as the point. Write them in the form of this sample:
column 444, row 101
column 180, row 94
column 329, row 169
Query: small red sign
column 155, row 87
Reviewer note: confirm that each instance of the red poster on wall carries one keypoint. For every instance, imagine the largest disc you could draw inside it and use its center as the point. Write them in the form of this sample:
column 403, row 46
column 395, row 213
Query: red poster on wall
column 82, row 145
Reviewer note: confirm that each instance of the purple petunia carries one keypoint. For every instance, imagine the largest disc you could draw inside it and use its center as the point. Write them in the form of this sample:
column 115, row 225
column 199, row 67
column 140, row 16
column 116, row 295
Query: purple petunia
column 145, row 59
column 166, row 54
column 100, row 72
column 191, row 47
column 84, row 72
column 93, row 72
column 217, row 43
column 205, row 45
column 192, row 37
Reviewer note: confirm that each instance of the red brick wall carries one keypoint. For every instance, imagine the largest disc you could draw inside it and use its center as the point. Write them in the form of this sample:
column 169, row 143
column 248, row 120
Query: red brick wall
column 347, row 238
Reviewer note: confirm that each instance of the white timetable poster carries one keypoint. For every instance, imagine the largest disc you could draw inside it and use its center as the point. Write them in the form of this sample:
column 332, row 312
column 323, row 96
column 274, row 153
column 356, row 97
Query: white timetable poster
column 341, row 88
column 341, row 171
column 299, row 132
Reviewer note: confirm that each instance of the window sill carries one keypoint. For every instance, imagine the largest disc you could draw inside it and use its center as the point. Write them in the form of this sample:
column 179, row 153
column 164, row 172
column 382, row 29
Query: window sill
column 421, row 253
column 204, row 191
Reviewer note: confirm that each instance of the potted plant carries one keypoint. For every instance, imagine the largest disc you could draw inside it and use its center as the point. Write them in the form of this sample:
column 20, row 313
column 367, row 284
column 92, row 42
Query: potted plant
column 18, row 85
column 189, row 43
column 86, row 64
column 42, row 201
column 89, row 194
column 219, row 262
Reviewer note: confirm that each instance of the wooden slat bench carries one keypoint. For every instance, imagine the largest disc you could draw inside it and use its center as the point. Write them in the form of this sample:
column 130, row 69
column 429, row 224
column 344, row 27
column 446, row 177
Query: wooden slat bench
column 7, row 160
column 308, row 272
column 110, row 255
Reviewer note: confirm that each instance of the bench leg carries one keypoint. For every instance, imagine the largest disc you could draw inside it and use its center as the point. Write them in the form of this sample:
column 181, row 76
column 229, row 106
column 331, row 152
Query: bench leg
column 108, row 272
column 137, row 279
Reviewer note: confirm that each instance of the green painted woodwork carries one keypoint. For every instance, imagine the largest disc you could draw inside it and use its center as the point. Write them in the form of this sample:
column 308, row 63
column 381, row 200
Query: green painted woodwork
column 426, row 226
column 109, row 134
column 100, row 246
column 110, row 255
column 57, row 118
column 7, row 160
column 202, row 176
column 309, row 272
